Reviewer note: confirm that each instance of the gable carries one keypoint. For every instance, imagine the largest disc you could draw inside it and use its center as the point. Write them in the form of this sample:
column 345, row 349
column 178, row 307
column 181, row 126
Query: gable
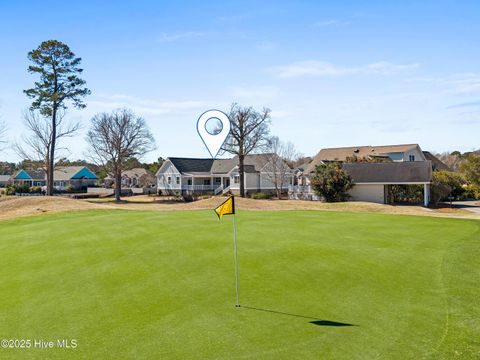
column 167, row 168
column 85, row 173
column 23, row 175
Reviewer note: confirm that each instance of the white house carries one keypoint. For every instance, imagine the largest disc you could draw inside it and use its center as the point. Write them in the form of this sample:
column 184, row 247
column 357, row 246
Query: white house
column 5, row 180
column 133, row 178
column 373, row 169
column 191, row 175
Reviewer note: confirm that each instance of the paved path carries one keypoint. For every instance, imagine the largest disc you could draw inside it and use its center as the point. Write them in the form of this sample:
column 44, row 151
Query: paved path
column 468, row 205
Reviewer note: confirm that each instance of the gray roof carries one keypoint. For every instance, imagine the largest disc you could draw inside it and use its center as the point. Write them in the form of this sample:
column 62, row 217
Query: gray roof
column 136, row 172
column 189, row 165
column 61, row 173
column 252, row 163
column 36, row 174
column 437, row 164
column 5, row 178
column 223, row 166
column 394, row 172
column 66, row 172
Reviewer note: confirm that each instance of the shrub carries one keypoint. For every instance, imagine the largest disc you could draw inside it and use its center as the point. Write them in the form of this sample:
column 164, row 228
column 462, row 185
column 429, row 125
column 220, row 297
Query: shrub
column 331, row 182
column 188, row 197
column 36, row 190
column 261, row 196
column 70, row 188
column 446, row 183
column 470, row 168
column 10, row 190
column 405, row 194
column 472, row 192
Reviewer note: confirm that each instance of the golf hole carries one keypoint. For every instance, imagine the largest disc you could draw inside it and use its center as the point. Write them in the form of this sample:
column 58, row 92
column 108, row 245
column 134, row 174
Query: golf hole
column 213, row 126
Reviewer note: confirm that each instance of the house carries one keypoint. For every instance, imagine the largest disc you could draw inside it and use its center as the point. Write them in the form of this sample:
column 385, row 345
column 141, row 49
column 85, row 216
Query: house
column 5, row 180
column 373, row 169
column 394, row 153
column 216, row 176
column 77, row 177
column 133, row 178
column 437, row 164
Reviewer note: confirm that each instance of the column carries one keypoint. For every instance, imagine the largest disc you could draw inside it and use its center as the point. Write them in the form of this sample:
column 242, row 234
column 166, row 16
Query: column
column 426, row 194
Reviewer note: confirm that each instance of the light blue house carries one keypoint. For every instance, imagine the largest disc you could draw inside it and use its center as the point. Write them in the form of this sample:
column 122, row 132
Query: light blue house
column 77, row 177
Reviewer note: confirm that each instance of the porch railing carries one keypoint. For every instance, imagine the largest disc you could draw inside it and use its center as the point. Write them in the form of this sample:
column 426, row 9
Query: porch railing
column 198, row 187
column 300, row 188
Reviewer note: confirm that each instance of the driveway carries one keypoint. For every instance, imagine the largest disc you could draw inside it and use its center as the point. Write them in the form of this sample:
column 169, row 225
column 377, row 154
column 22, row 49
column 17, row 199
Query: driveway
column 468, row 205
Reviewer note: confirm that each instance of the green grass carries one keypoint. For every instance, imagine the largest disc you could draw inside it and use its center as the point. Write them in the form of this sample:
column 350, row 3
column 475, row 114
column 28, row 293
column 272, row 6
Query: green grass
column 158, row 285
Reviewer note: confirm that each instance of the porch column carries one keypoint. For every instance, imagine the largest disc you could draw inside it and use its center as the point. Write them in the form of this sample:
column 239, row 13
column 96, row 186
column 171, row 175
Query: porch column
column 426, row 194
column 221, row 181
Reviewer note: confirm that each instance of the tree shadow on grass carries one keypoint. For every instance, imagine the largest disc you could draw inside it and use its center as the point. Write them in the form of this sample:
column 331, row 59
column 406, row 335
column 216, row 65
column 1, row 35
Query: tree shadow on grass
column 314, row 321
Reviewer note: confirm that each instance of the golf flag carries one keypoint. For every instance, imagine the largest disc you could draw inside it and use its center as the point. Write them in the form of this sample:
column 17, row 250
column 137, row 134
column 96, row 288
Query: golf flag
column 225, row 208
column 228, row 208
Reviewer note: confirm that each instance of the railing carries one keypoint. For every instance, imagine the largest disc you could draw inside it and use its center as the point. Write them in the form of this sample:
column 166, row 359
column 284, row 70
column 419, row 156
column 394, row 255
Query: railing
column 218, row 190
column 299, row 188
column 198, row 187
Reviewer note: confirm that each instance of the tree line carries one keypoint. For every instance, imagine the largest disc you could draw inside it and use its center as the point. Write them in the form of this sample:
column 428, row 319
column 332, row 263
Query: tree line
column 120, row 137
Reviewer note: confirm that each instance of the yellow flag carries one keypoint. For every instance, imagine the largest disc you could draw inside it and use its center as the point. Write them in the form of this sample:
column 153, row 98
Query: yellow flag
column 225, row 208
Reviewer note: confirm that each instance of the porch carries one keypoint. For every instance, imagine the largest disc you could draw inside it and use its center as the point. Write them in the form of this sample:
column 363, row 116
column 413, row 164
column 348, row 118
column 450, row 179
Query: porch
column 205, row 184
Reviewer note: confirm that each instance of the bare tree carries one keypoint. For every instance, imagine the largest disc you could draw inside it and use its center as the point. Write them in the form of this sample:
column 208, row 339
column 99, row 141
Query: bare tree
column 36, row 144
column 3, row 131
column 249, row 134
column 280, row 154
column 116, row 137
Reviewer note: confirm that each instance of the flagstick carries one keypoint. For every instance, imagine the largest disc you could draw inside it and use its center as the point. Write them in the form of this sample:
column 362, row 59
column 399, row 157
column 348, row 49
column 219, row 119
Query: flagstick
column 236, row 258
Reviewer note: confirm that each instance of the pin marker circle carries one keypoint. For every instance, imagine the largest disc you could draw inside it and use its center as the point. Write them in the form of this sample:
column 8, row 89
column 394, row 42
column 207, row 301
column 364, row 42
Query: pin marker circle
column 213, row 127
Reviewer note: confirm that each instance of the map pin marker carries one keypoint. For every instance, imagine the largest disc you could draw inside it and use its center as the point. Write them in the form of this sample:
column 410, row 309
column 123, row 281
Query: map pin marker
column 213, row 126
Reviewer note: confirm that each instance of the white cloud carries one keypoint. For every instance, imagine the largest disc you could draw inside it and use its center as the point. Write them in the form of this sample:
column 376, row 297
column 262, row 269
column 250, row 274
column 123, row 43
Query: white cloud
column 326, row 69
column 459, row 84
column 172, row 37
column 107, row 103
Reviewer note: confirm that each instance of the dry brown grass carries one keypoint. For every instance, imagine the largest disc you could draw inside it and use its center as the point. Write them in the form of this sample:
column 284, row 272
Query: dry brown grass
column 168, row 204
column 12, row 207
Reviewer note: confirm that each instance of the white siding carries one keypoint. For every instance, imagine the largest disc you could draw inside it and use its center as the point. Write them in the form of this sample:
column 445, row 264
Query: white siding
column 418, row 155
column 368, row 192
column 405, row 156
column 168, row 170
column 252, row 181
column 267, row 183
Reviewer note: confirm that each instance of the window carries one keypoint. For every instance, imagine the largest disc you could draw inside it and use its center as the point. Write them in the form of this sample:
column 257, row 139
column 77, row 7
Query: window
column 236, row 179
column 218, row 180
column 206, row 182
column 178, row 180
column 411, row 157
column 189, row 181
column 169, row 180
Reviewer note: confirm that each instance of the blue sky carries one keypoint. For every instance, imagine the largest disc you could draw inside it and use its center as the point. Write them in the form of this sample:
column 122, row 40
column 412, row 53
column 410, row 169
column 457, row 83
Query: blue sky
column 334, row 73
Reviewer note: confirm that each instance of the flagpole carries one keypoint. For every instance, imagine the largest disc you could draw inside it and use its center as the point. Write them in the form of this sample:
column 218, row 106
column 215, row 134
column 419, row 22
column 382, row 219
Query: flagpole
column 236, row 258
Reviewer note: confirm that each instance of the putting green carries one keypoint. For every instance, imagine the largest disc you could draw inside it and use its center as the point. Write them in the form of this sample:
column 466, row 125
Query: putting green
column 313, row 285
